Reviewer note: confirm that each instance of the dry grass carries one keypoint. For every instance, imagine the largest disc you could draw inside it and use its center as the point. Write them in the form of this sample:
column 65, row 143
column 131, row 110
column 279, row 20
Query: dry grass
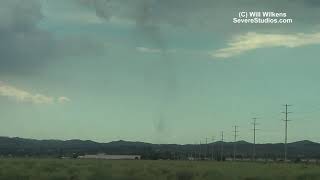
column 55, row 169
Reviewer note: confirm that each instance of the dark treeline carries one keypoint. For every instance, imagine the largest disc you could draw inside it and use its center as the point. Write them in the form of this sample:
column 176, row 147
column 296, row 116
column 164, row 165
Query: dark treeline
column 19, row 147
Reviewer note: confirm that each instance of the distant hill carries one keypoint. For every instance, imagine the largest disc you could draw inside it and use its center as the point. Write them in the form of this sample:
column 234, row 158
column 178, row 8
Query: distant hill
column 57, row 148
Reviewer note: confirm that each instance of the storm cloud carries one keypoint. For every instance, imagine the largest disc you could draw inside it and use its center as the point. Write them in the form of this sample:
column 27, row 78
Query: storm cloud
column 210, row 15
column 23, row 45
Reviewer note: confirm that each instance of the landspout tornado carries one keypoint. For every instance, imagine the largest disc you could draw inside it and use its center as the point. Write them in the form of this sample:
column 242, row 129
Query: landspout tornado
column 162, row 72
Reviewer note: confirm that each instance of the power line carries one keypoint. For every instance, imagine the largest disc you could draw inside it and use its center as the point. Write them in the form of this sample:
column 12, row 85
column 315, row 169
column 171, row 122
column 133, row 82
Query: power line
column 310, row 110
column 286, row 131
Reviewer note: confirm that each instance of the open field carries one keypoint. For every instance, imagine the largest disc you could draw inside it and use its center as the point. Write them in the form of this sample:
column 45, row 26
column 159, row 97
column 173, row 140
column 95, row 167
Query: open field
column 75, row 169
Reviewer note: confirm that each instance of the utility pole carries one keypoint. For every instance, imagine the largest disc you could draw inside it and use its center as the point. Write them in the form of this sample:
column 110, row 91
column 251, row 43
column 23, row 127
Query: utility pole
column 235, row 142
column 286, row 131
column 254, row 123
column 195, row 151
column 200, row 151
column 221, row 146
column 206, row 152
column 212, row 149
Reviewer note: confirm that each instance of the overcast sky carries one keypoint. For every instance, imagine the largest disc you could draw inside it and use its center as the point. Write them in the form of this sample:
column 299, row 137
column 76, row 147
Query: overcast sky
column 160, row 71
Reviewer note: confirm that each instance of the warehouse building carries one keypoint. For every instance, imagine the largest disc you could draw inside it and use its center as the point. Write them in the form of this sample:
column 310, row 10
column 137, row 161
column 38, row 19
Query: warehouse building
column 111, row 157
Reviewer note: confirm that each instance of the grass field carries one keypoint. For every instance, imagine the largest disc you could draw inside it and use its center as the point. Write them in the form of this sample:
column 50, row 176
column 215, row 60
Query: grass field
column 55, row 169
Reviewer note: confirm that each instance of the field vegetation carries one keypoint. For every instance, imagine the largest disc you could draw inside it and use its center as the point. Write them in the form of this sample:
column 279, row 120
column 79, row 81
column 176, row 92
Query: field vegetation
column 76, row 169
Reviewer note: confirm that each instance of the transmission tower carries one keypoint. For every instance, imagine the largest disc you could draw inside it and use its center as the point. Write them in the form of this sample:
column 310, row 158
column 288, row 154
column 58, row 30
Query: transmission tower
column 235, row 142
column 254, row 123
column 212, row 148
column 200, row 151
column 286, row 131
column 206, row 152
column 221, row 146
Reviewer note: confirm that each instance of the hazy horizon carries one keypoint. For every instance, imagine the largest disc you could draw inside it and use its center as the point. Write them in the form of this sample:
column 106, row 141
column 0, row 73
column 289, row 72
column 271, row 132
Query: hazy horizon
column 158, row 71
column 119, row 140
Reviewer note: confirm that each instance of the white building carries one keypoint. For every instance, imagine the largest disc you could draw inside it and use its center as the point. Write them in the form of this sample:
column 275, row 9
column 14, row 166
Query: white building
column 111, row 157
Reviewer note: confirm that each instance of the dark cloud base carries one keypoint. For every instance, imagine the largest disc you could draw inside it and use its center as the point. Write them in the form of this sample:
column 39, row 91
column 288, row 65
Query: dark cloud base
column 22, row 45
column 25, row 48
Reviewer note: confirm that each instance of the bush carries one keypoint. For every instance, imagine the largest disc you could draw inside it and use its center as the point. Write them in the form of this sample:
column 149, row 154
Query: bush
column 184, row 175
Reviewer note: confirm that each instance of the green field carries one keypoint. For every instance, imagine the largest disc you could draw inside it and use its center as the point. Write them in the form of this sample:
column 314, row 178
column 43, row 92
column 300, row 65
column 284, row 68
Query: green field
column 55, row 169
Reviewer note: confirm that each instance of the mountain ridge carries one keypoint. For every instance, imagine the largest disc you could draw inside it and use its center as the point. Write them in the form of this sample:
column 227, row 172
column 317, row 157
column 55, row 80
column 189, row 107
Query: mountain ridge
column 16, row 146
column 141, row 142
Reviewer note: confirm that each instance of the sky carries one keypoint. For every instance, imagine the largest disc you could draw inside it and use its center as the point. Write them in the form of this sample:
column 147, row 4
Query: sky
column 159, row 71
